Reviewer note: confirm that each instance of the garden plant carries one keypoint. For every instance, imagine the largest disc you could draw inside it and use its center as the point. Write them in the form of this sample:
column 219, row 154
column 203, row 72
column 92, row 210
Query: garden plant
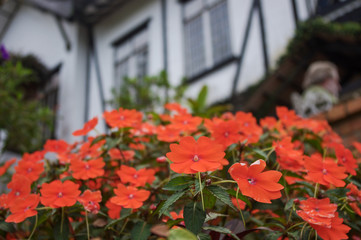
column 179, row 176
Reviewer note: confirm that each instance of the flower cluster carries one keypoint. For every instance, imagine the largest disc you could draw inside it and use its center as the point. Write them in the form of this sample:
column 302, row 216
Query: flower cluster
column 159, row 175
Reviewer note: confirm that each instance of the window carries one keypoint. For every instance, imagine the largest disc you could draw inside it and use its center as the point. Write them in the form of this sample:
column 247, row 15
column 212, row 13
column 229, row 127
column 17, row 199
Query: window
column 131, row 55
column 206, row 32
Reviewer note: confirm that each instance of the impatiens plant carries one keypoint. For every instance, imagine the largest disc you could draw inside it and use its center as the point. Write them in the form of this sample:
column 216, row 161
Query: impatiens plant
column 178, row 176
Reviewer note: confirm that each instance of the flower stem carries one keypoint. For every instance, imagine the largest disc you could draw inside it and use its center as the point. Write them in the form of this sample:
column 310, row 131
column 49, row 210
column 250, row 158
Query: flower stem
column 200, row 188
column 239, row 208
column 62, row 220
column 87, row 224
column 36, row 223
column 224, row 181
column 316, row 190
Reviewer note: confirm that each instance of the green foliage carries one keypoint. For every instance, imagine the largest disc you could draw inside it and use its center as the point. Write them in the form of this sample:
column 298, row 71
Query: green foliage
column 152, row 92
column 194, row 217
column 22, row 117
column 140, row 231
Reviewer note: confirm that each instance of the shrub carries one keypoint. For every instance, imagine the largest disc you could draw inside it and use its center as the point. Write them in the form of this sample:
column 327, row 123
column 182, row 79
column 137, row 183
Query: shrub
column 178, row 176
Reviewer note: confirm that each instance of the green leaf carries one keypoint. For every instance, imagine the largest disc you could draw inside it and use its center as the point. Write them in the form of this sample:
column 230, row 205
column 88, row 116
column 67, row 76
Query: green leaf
column 222, row 195
column 209, row 199
column 260, row 153
column 172, row 199
column 126, row 212
column 181, row 234
column 196, row 185
column 221, row 230
column 194, row 217
column 178, row 183
column 202, row 97
column 58, row 233
column 140, row 231
column 7, row 227
column 289, row 204
column 214, row 215
column 203, row 236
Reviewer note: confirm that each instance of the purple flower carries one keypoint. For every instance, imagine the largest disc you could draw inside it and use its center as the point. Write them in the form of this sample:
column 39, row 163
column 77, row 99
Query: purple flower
column 4, row 53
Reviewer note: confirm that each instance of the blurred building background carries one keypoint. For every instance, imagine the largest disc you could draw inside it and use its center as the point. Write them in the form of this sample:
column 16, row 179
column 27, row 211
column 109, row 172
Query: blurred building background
column 228, row 45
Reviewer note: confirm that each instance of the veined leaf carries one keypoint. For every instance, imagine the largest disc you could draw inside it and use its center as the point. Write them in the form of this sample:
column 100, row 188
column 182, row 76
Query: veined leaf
column 140, row 231
column 181, row 234
column 221, row 230
column 222, row 195
column 194, row 217
column 172, row 199
column 178, row 183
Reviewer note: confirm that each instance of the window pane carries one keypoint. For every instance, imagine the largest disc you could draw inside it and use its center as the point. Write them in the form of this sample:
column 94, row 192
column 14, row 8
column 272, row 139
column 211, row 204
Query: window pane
column 123, row 51
column 192, row 8
column 221, row 45
column 121, row 71
column 141, row 39
column 142, row 63
column 194, row 44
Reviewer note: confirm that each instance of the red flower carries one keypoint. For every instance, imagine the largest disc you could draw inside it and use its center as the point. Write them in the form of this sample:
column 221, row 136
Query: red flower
column 357, row 145
column 317, row 211
column 175, row 107
column 336, row 231
column 134, row 177
column 192, row 156
column 287, row 156
column 186, row 123
column 90, row 200
column 57, row 194
column 261, row 186
column 6, row 166
column 31, row 170
column 87, row 169
column 122, row 118
column 114, row 210
column 225, row 132
column 57, row 146
column 23, row 208
column 325, row 171
column 125, row 155
column 168, row 133
column 129, row 197
column 20, row 187
column 345, row 158
column 88, row 126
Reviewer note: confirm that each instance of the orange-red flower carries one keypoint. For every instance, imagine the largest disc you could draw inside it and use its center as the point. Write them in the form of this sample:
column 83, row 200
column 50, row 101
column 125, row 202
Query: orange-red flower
column 175, row 107
column 168, row 133
column 114, row 210
column 186, row 123
column 34, row 157
column 57, row 146
column 90, row 200
column 336, row 231
column 317, row 211
column 225, row 132
column 23, row 208
column 357, row 145
column 129, row 197
column 324, row 171
column 20, row 187
column 57, row 194
column 122, row 118
column 124, row 155
column 287, row 156
column 31, row 170
column 88, row 126
column 87, row 169
column 6, row 166
column 261, row 186
column 345, row 158
column 191, row 156
column 136, row 177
